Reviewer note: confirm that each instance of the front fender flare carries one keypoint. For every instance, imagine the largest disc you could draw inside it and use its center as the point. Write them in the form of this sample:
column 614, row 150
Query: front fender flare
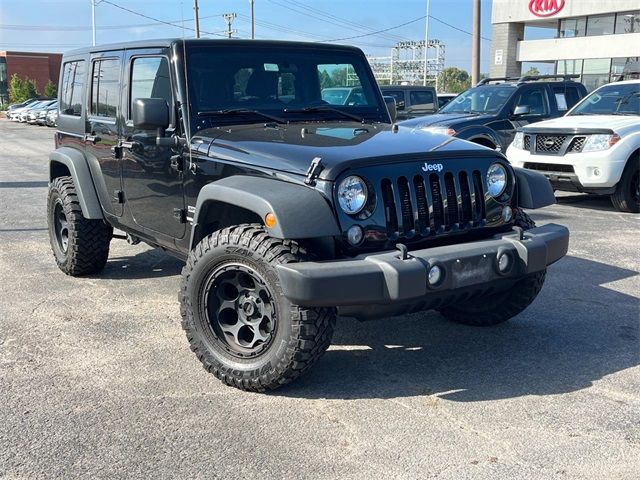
column 78, row 168
column 301, row 212
column 479, row 131
column 534, row 189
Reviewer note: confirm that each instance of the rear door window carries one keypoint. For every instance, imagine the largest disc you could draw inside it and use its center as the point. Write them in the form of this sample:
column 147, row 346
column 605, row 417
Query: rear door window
column 423, row 98
column 72, row 85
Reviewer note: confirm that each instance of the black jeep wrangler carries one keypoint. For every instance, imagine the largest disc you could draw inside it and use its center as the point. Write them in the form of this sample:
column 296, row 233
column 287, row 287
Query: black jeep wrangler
column 490, row 113
column 287, row 210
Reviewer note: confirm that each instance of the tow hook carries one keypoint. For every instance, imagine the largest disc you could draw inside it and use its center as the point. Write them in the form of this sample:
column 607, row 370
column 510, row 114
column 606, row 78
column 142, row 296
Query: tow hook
column 404, row 251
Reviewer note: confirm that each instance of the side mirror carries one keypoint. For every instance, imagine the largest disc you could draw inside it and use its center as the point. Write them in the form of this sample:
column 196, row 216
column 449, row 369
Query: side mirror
column 391, row 106
column 400, row 105
column 150, row 114
column 521, row 110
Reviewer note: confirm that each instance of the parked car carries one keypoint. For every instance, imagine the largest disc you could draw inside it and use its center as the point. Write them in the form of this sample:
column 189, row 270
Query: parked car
column 286, row 214
column 343, row 96
column 23, row 116
column 51, row 119
column 444, row 98
column 28, row 102
column 490, row 113
column 15, row 110
column 41, row 117
column 594, row 148
column 412, row 100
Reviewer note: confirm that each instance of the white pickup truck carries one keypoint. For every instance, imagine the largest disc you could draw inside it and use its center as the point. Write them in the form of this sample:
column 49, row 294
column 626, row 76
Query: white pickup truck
column 594, row 148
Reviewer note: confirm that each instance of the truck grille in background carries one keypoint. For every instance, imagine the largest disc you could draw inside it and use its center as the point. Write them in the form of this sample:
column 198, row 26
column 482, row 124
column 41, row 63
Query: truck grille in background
column 549, row 167
column 433, row 204
column 549, row 143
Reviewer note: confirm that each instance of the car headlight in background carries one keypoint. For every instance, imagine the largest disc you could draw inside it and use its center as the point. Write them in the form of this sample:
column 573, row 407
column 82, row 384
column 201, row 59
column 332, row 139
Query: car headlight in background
column 599, row 142
column 352, row 194
column 440, row 130
column 496, row 180
column 518, row 141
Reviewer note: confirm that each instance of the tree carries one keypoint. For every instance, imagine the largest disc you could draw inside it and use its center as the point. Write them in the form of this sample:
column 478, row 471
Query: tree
column 16, row 89
column 453, row 80
column 51, row 89
column 533, row 71
column 30, row 89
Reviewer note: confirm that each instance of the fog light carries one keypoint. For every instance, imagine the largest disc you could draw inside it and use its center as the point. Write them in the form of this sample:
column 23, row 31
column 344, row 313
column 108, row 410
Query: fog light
column 504, row 262
column 355, row 234
column 435, row 275
column 507, row 214
column 596, row 172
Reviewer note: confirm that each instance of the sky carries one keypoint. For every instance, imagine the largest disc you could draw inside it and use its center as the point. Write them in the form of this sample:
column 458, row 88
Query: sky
column 59, row 25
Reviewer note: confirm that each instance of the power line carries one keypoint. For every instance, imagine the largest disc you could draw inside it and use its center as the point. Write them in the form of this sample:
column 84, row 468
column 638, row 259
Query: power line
column 379, row 31
column 157, row 19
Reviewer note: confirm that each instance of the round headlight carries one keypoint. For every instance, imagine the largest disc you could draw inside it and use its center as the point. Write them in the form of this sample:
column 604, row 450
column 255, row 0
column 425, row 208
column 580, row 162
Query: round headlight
column 352, row 194
column 496, row 180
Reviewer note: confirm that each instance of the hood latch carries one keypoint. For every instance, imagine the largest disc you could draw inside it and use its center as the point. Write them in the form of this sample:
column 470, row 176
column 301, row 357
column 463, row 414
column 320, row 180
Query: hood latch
column 314, row 171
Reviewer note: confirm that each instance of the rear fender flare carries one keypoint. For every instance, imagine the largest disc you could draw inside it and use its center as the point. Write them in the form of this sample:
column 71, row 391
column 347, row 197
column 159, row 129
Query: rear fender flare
column 76, row 164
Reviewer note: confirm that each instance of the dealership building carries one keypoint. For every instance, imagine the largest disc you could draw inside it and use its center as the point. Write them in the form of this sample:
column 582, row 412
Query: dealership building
column 595, row 39
column 39, row 67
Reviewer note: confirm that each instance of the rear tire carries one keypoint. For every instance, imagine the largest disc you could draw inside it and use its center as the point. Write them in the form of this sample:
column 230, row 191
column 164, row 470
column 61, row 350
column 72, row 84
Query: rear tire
column 237, row 320
column 499, row 307
column 80, row 245
column 627, row 195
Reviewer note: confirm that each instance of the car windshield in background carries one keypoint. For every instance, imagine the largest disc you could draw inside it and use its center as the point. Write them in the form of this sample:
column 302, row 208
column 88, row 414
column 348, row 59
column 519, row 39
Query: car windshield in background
column 479, row 100
column 237, row 85
column 614, row 99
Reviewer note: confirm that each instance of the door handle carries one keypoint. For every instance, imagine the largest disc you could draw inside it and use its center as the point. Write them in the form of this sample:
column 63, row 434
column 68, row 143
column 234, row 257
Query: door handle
column 91, row 137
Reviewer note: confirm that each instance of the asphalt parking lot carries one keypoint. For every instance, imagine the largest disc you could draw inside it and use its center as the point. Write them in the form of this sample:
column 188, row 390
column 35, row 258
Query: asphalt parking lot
column 97, row 379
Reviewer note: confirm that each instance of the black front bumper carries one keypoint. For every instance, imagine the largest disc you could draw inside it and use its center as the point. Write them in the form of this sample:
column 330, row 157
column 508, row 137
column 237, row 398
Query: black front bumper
column 385, row 278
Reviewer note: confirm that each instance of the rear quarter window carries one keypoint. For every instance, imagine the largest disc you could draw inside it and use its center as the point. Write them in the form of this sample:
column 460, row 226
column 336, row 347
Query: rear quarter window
column 73, row 78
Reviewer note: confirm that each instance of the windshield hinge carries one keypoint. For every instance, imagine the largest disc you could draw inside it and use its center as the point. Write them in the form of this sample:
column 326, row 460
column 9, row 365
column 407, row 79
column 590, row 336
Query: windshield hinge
column 314, row 171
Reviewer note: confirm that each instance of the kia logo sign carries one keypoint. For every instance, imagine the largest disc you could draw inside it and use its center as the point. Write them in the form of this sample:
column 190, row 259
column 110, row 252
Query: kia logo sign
column 545, row 8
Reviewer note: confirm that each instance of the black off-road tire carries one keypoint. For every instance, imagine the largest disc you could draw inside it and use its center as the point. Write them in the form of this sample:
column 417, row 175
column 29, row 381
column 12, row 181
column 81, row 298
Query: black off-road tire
column 87, row 241
column 301, row 335
column 499, row 307
column 626, row 198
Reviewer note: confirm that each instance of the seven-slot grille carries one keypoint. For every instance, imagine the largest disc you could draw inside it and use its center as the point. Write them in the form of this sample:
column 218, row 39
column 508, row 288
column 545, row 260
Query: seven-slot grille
column 431, row 204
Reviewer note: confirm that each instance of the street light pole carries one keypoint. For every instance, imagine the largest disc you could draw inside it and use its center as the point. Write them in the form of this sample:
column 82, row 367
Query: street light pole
column 253, row 31
column 93, row 20
column 197, row 18
column 475, row 44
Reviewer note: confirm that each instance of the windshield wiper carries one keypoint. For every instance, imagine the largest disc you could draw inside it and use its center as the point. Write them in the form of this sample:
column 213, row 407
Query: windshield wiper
column 241, row 111
column 624, row 113
column 324, row 109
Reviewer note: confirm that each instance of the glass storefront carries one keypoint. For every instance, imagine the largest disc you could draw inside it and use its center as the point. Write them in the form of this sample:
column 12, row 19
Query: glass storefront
column 593, row 25
column 595, row 71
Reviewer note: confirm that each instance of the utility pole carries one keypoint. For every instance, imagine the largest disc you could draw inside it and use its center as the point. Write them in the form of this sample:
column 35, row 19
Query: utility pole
column 253, row 30
column 93, row 20
column 475, row 44
column 197, row 18
column 228, row 17
column 426, row 47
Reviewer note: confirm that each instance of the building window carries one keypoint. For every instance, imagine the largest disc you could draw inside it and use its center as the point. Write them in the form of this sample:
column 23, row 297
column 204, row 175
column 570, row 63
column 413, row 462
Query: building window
column 105, row 88
column 600, row 25
column 569, row 67
column 595, row 72
column 71, row 93
column 618, row 66
column 573, row 27
column 628, row 22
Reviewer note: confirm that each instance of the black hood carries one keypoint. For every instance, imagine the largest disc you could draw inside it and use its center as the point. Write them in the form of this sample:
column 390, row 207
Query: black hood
column 291, row 148
column 447, row 120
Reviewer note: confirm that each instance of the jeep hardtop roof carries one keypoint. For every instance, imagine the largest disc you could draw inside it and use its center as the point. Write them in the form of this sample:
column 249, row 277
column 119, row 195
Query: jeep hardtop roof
column 167, row 42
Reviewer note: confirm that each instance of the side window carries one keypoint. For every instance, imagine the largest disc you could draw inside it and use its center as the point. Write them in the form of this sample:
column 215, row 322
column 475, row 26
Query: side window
column 421, row 97
column 150, row 79
column 534, row 98
column 573, row 96
column 72, row 86
column 398, row 95
column 105, row 88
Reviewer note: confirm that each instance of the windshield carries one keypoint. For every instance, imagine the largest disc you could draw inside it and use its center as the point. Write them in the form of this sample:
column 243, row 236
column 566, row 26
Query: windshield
column 479, row 100
column 614, row 99
column 227, row 83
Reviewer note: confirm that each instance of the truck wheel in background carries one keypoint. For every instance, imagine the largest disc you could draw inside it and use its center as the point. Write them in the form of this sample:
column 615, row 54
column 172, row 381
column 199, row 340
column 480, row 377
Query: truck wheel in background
column 493, row 309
